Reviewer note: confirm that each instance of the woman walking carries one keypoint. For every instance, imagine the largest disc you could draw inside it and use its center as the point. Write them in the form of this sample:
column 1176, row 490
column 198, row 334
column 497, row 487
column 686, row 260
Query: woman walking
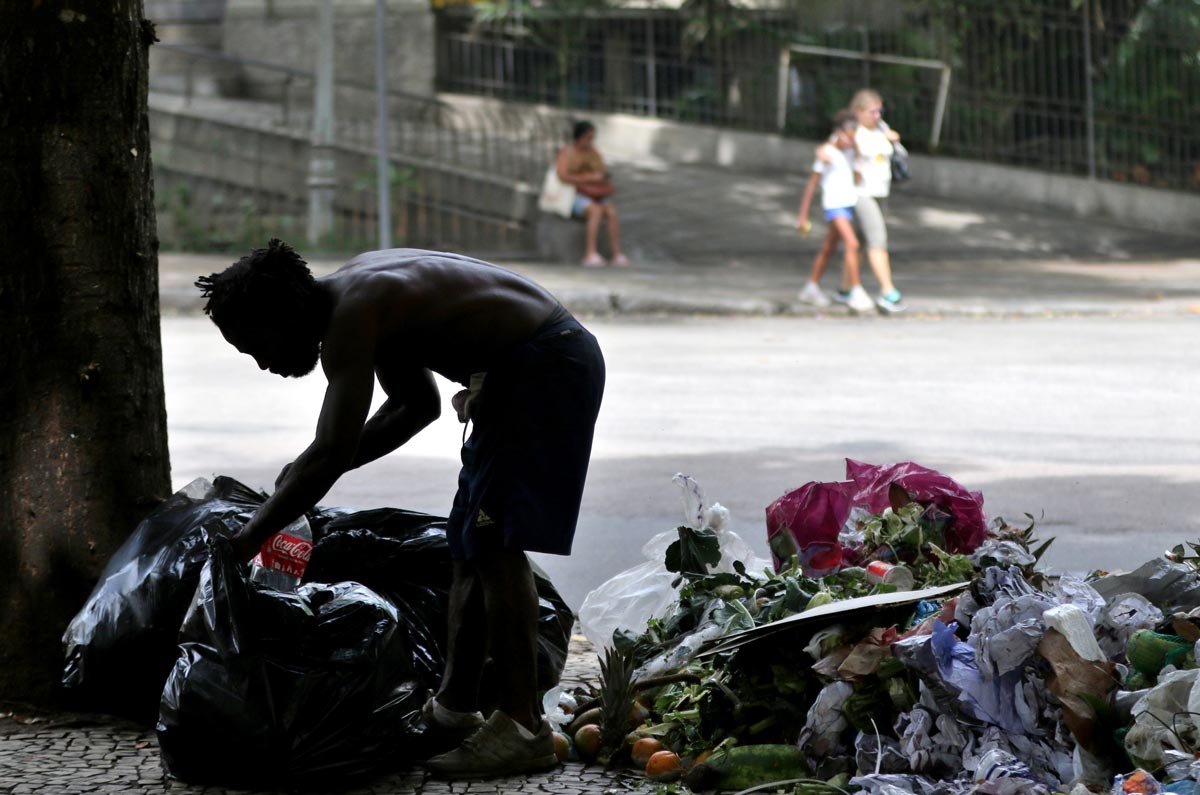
column 874, row 141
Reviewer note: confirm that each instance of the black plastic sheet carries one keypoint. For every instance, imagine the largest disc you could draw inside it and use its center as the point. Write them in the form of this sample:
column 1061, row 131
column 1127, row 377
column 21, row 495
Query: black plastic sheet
column 121, row 645
column 286, row 689
column 124, row 642
column 405, row 557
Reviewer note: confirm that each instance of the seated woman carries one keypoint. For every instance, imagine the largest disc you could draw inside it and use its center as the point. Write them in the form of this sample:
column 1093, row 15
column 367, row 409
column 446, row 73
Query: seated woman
column 579, row 164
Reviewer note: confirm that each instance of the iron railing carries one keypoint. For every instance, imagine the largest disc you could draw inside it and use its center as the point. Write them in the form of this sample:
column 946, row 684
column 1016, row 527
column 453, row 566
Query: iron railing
column 458, row 175
column 1109, row 88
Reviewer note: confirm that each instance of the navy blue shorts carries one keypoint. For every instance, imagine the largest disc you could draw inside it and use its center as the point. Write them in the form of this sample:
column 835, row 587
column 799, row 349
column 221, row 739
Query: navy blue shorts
column 525, row 462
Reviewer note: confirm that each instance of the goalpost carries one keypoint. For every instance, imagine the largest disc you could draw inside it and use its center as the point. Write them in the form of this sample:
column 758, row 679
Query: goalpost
column 939, row 110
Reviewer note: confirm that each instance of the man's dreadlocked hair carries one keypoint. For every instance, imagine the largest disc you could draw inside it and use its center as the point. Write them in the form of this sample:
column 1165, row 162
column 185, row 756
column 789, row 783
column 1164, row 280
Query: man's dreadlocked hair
column 267, row 283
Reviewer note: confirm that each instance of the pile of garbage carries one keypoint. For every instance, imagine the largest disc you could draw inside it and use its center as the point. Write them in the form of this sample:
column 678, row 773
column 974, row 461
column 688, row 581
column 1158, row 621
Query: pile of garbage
column 254, row 686
column 897, row 644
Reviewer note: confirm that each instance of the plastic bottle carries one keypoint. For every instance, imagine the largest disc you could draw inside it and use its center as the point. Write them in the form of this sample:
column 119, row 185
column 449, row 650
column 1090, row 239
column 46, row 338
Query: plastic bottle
column 281, row 562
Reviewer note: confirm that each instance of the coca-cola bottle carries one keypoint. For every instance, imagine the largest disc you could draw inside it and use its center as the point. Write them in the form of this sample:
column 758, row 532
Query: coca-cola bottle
column 283, row 558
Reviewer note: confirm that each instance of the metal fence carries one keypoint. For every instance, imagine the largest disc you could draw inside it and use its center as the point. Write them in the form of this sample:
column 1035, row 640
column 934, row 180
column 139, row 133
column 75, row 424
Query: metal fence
column 226, row 169
column 1109, row 88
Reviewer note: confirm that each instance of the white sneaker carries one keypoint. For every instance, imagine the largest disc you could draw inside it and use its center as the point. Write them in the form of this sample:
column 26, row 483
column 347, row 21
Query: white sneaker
column 859, row 301
column 812, row 295
column 501, row 747
column 890, row 303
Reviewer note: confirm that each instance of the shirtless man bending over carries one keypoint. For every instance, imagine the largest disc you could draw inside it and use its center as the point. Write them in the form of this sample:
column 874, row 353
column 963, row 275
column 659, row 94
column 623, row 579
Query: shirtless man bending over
column 534, row 379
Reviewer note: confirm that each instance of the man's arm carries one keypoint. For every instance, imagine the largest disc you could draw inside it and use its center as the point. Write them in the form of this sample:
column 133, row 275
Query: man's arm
column 347, row 358
column 413, row 404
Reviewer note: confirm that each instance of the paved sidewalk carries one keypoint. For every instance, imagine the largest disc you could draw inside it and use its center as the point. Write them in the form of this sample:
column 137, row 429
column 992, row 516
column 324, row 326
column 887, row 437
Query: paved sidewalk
column 707, row 240
column 45, row 753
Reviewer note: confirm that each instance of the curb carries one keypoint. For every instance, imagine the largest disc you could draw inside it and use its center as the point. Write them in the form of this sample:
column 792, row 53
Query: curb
column 615, row 303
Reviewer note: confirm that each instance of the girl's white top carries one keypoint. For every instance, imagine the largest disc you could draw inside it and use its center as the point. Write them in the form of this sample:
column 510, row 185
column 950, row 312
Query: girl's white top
column 837, row 177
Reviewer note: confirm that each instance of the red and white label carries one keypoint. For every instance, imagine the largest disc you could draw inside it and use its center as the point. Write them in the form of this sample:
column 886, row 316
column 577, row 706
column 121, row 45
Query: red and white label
column 285, row 553
column 878, row 571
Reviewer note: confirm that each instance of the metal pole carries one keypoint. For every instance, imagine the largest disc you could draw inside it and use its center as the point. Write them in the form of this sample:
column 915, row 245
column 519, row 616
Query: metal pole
column 1089, row 100
column 322, row 169
column 651, row 78
column 383, row 158
column 781, row 89
column 939, row 109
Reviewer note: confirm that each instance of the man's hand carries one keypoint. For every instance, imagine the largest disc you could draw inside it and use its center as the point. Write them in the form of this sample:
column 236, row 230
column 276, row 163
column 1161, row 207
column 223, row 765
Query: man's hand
column 803, row 224
column 459, row 402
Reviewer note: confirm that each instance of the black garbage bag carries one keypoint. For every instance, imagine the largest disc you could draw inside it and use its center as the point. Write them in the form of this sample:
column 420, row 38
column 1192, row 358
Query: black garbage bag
column 404, row 557
column 121, row 645
column 277, row 689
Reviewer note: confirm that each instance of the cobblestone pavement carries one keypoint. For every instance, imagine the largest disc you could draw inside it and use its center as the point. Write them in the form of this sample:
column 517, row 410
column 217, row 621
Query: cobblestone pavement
column 83, row 754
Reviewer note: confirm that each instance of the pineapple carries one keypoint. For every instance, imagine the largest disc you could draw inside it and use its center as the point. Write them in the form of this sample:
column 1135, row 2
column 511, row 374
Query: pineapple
column 616, row 700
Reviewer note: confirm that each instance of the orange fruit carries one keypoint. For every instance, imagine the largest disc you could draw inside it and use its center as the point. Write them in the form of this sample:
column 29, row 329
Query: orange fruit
column 562, row 746
column 663, row 766
column 643, row 749
column 587, row 741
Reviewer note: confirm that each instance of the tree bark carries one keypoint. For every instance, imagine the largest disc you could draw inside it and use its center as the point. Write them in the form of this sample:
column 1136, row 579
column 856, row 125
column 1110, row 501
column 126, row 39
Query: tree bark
column 83, row 443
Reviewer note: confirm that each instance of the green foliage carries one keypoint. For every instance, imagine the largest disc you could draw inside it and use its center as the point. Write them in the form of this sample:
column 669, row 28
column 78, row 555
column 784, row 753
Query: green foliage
column 400, row 177
column 694, row 552
column 558, row 27
column 219, row 220
column 1152, row 76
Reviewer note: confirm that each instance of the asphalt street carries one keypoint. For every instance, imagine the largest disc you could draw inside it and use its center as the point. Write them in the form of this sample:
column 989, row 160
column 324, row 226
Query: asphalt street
column 1086, row 423
column 1045, row 360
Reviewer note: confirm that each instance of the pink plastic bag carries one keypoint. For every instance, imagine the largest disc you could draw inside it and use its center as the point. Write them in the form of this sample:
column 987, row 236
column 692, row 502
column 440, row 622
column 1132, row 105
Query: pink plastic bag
column 926, row 486
column 806, row 522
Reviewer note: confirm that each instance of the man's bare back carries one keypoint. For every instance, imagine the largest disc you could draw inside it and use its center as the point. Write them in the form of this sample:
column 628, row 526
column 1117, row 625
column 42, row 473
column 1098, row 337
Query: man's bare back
column 443, row 312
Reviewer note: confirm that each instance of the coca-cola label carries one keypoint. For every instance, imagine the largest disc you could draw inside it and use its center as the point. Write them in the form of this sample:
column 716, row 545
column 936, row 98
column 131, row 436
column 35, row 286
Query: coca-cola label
column 285, row 553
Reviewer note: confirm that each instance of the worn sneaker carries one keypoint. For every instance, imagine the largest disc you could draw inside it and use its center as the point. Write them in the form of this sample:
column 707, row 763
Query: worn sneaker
column 842, row 297
column 500, row 747
column 858, row 300
column 812, row 295
column 446, row 728
column 889, row 303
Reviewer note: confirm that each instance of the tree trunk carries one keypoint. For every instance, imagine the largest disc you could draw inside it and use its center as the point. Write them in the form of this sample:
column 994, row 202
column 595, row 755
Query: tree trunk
column 83, row 443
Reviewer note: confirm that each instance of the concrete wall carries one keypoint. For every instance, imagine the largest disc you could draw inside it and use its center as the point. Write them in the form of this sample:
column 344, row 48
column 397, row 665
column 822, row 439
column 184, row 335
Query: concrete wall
column 633, row 138
column 196, row 23
column 284, row 32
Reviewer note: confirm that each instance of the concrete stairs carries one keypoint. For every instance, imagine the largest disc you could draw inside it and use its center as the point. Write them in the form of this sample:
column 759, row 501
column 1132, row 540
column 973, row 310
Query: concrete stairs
column 231, row 172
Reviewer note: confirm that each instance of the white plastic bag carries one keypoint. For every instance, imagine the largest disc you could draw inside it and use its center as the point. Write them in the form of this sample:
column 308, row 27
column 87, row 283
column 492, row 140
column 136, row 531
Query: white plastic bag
column 645, row 591
column 557, row 197
column 1165, row 717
